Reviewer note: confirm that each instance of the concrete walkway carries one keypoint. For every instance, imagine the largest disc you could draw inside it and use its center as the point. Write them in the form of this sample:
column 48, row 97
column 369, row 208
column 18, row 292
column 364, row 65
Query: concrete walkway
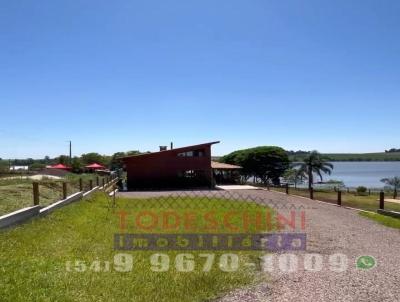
column 236, row 187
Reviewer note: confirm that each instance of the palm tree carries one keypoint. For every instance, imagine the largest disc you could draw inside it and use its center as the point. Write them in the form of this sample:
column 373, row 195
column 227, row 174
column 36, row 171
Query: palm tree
column 314, row 163
column 393, row 182
column 294, row 176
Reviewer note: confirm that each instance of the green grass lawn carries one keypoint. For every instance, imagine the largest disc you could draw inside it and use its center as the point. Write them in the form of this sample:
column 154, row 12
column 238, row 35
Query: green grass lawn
column 382, row 219
column 34, row 256
column 368, row 202
column 17, row 193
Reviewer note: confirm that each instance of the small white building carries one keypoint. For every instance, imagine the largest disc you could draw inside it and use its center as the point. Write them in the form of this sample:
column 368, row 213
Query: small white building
column 19, row 168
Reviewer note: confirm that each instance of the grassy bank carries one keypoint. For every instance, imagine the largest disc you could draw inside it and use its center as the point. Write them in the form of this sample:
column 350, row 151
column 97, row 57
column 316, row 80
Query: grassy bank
column 35, row 256
column 16, row 193
column 367, row 202
column 382, row 219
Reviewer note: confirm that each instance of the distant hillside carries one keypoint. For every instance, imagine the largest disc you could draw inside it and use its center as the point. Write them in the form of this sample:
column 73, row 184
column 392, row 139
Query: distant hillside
column 381, row 156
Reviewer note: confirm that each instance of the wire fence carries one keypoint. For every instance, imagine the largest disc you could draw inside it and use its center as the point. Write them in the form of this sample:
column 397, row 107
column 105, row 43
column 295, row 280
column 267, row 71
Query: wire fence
column 369, row 199
column 17, row 193
column 238, row 200
column 201, row 213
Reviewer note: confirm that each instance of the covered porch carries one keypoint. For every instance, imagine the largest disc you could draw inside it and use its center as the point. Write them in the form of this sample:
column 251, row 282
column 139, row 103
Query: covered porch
column 225, row 173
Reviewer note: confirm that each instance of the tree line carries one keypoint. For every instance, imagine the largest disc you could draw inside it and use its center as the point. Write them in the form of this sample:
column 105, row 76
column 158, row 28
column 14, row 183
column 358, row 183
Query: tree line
column 269, row 164
column 393, row 150
column 77, row 163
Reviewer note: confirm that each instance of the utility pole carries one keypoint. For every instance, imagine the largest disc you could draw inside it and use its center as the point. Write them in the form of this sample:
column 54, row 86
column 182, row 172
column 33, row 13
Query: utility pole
column 70, row 152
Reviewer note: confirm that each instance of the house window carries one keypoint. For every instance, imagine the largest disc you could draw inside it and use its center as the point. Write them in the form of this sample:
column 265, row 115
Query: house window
column 194, row 153
column 198, row 153
column 191, row 173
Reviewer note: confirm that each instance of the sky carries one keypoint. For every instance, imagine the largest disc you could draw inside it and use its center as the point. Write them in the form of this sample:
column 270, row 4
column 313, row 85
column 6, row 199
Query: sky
column 133, row 75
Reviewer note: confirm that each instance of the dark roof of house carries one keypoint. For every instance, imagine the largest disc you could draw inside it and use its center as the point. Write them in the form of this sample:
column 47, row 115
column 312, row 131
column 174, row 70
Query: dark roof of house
column 181, row 149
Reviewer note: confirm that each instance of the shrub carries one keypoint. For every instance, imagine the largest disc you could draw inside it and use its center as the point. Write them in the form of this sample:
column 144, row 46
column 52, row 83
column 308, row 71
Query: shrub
column 37, row 166
column 361, row 190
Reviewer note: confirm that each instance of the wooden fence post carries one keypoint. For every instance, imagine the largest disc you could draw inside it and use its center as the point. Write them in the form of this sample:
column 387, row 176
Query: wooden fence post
column 64, row 189
column 382, row 200
column 339, row 198
column 395, row 193
column 91, row 184
column 35, row 193
column 80, row 185
column 312, row 193
column 287, row 188
column 97, row 181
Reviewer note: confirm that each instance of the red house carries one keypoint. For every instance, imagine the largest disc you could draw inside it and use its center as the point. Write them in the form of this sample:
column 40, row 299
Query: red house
column 175, row 168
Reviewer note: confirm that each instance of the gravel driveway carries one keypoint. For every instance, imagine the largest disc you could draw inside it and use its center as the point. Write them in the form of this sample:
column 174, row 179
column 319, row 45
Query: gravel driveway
column 329, row 230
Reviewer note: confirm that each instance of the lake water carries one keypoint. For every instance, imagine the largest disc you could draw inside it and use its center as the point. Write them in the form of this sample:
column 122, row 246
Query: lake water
column 367, row 174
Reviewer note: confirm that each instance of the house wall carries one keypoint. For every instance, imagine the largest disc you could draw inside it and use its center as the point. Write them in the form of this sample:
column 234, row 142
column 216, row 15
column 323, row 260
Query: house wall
column 166, row 169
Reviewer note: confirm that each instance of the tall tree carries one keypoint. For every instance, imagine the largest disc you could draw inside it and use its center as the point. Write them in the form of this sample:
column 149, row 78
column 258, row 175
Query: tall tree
column 46, row 160
column 267, row 163
column 393, row 182
column 93, row 157
column 62, row 159
column 76, row 164
column 115, row 162
column 314, row 163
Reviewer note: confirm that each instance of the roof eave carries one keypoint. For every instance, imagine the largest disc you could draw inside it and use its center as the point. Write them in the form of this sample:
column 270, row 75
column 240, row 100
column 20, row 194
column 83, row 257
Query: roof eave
column 175, row 149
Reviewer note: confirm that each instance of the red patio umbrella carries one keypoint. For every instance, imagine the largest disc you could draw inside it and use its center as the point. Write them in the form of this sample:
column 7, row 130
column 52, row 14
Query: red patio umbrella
column 60, row 166
column 95, row 166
